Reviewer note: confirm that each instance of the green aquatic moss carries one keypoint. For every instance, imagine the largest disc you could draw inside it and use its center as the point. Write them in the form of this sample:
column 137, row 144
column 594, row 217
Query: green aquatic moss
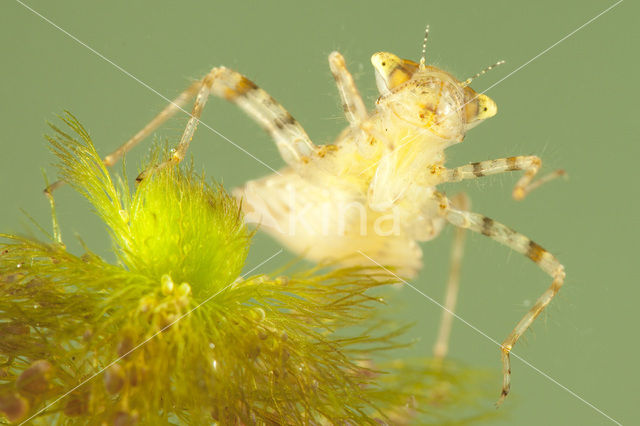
column 174, row 223
column 174, row 334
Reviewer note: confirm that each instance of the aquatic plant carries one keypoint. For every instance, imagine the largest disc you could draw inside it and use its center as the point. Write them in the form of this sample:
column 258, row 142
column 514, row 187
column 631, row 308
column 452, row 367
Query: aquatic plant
column 173, row 333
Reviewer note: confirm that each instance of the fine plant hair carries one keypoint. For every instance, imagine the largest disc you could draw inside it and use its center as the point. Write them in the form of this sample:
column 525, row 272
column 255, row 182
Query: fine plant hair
column 173, row 333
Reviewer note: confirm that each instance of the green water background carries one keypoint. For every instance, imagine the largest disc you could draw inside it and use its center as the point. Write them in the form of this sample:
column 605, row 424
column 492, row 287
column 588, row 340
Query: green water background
column 576, row 106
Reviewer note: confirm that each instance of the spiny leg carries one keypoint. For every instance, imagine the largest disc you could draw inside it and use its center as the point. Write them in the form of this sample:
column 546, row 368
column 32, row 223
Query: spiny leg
column 157, row 121
column 522, row 244
column 352, row 104
column 529, row 163
column 291, row 139
column 441, row 346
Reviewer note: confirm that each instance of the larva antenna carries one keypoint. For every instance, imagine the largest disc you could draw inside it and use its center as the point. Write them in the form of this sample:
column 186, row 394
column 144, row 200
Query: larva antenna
column 484, row 71
column 423, row 59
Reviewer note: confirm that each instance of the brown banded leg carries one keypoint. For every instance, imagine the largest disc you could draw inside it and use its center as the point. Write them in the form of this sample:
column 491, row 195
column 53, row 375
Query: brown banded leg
column 157, row 121
column 352, row 104
column 522, row 244
column 292, row 141
column 529, row 163
column 441, row 346
column 290, row 138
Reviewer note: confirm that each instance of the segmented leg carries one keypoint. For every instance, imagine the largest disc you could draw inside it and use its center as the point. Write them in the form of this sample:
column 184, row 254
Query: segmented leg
column 522, row 244
column 441, row 346
column 352, row 103
column 529, row 163
column 291, row 139
column 157, row 121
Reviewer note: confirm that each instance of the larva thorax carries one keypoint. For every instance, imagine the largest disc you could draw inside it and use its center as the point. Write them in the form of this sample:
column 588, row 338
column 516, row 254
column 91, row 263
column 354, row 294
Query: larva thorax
column 421, row 111
column 396, row 154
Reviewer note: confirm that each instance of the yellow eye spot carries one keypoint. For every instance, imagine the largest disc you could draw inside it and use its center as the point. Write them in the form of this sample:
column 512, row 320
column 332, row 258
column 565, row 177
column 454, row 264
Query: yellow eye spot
column 393, row 70
column 486, row 107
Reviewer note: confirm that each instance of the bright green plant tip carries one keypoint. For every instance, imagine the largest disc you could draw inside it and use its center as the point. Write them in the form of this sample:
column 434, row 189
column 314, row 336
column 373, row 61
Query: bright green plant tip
column 171, row 334
column 181, row 227
column 174, row 223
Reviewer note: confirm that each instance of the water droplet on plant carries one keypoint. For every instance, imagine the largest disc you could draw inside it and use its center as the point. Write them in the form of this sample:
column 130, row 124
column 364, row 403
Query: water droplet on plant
column 183, row 290
column 258, row 314
column 166, row 285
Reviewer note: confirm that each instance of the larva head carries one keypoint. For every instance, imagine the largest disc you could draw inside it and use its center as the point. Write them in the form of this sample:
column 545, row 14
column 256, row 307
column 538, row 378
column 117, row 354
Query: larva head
column 391, row 71
column 429, row 97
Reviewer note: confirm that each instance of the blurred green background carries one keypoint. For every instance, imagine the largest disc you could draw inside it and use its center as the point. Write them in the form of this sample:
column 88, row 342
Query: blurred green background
column 574, row 106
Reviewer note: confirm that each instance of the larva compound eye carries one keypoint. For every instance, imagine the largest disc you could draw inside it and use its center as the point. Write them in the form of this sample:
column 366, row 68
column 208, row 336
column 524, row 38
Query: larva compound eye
column 391, row 71
column 430, row 98
column 477, row 107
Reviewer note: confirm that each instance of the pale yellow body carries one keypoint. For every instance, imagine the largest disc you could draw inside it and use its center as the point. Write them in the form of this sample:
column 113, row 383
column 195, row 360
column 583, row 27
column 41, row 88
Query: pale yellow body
column 374, row 189
column 371, row 196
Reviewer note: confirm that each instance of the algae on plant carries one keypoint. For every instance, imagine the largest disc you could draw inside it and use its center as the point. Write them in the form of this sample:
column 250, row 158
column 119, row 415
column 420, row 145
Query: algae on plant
column 173, row 333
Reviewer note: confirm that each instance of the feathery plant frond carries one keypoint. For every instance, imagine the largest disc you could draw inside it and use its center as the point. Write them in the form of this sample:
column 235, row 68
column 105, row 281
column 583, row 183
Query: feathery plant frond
column 173, row 334
column 81, row 167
